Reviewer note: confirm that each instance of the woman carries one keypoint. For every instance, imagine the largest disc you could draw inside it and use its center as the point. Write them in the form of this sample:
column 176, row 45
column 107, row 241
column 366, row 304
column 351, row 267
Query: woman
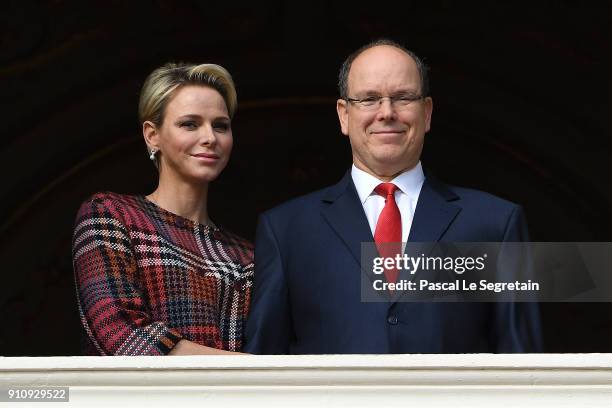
column 154, row 274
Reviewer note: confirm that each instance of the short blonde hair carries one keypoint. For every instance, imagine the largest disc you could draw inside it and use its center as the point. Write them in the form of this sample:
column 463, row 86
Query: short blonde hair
column 161, row 84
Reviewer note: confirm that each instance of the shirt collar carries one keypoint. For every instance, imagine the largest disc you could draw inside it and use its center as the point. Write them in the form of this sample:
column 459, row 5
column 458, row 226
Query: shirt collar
column 409, row 182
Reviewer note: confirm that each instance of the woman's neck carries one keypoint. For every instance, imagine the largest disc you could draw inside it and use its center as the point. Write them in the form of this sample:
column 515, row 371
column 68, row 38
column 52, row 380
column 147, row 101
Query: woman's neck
column 184, row 199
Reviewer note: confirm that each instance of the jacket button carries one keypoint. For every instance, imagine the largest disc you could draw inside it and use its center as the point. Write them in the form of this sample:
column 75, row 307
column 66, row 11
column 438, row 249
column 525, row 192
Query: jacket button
column 392, row 320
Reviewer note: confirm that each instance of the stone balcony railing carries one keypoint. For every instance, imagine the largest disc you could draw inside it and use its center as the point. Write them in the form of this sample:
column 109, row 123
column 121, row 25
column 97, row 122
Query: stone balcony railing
column 469, row 380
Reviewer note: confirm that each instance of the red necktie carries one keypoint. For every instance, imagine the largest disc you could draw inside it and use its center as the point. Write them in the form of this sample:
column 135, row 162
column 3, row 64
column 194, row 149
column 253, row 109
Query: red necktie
column 388, row 228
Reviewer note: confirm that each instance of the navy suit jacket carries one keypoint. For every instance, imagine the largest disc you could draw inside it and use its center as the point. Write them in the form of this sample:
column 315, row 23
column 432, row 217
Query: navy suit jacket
column 307, row 292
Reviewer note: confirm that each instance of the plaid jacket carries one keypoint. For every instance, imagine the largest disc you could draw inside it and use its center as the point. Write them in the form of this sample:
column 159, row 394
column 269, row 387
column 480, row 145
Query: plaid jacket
column 147, row 278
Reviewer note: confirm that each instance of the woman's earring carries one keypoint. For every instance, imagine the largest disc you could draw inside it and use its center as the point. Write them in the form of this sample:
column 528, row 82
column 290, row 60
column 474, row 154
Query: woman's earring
column 152, row 155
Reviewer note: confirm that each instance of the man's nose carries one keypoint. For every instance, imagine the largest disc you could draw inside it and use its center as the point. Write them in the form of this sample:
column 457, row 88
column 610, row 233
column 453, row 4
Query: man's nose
column 386, row 110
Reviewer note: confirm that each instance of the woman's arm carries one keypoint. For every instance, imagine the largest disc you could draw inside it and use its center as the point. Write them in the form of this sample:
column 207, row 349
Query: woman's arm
column 186, row 348
column 112, row 308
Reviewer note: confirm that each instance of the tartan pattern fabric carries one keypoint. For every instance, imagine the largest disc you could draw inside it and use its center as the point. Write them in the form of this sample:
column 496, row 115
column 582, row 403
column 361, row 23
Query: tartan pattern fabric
column 147, row 278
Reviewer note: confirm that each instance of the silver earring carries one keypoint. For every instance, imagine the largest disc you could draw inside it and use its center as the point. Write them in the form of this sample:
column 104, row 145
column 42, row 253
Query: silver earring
column 152, row 155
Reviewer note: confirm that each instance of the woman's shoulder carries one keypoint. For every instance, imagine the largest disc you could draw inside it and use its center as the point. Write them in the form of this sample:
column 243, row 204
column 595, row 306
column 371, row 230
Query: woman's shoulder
column 112, row 200
column 241, row 247
column 109, row 204
column 233, row 239
column 109, row 198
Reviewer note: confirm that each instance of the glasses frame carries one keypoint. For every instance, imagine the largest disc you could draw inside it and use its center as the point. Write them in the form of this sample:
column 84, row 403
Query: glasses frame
column 377, row 101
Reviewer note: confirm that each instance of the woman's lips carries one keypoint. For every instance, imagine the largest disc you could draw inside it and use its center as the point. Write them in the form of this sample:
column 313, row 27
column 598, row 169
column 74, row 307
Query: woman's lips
column 206, row 157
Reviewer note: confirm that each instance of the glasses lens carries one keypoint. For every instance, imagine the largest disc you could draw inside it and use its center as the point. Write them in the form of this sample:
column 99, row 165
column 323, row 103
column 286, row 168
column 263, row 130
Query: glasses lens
column 369, row 102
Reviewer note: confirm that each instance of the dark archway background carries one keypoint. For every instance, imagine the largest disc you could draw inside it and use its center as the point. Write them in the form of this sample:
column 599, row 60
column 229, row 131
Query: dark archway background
column 522, row 110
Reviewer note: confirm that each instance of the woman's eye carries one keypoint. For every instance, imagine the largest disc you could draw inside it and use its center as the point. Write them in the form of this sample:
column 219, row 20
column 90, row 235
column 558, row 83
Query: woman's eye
column 189, row 125
column 222, row 127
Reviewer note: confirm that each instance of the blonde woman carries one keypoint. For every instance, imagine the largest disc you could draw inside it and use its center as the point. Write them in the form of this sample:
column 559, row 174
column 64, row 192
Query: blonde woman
column 154, row 274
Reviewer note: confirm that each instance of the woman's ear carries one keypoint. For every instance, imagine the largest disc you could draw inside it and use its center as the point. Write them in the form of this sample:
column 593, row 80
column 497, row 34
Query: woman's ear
column 150, row 134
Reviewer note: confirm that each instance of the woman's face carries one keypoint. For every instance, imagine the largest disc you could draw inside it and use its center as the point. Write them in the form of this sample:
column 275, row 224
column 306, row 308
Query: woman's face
column 195, row 139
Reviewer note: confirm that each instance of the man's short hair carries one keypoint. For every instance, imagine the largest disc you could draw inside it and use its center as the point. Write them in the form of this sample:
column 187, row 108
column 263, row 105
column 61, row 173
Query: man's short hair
column 348, row 62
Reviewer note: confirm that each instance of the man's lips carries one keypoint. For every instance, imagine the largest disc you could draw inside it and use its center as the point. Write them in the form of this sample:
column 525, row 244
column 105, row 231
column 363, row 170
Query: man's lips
column 387, row 132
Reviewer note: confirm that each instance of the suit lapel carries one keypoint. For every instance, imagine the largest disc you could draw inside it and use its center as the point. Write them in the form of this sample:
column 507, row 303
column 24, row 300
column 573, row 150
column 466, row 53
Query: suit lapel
column 433, row 215
column 344, row 213
column 434, row 212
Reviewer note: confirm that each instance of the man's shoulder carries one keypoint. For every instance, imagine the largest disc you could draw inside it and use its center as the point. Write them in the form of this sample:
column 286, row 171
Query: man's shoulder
column 478, row 201
column 479, row 196
column 299, row 205
column 480, row 216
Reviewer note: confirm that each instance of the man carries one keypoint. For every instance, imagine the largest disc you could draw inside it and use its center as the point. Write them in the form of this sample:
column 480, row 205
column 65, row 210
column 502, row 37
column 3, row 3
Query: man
column 307, row 293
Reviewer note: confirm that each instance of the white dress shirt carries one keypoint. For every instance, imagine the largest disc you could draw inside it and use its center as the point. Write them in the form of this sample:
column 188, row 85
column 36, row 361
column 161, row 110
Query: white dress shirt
column 409, row 185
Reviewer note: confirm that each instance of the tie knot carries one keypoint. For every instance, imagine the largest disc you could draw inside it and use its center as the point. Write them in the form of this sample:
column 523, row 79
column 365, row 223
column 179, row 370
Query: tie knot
column 385, row 189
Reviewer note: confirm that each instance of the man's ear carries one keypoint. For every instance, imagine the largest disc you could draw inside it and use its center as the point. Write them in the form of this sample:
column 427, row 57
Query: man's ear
column 150, row 134
column 428, row 110
column 342, row 109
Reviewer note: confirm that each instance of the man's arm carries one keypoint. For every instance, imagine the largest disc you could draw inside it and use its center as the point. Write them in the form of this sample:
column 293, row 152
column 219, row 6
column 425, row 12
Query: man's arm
column 518, row 324
column 269, row 327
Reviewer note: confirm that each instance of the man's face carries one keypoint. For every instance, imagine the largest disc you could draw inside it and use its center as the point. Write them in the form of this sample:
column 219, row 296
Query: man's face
column 388, row 138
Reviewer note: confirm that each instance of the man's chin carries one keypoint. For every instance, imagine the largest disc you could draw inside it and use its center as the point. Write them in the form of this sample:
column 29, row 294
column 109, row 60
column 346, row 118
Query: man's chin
column 386, row 170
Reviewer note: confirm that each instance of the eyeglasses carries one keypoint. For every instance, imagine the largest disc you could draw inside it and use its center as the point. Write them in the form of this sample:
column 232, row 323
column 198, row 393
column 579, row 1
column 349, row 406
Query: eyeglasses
column 400, row 101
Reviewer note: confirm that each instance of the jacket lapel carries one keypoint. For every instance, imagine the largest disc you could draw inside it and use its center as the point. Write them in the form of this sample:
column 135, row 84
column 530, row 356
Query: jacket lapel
column 344, row 213
column 434, row 212
column 433, row 215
